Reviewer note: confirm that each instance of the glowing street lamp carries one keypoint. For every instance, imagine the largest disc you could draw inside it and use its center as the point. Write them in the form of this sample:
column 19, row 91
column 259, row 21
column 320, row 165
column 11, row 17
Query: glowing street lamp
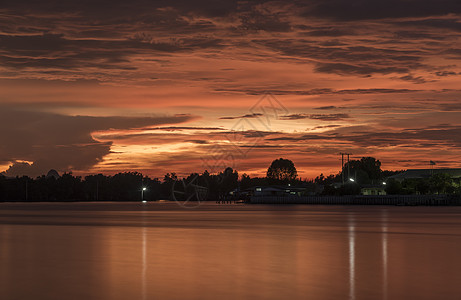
column 142, row 194
column 351, row 179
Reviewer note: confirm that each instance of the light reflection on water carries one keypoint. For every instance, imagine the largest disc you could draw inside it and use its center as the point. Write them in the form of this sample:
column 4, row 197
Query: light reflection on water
column 384, row 249
column 351, row 257
column 144, row 264
column 160, row 251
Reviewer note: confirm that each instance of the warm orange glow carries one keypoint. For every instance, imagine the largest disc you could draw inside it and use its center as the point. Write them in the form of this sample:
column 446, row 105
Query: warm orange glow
column 159, row 96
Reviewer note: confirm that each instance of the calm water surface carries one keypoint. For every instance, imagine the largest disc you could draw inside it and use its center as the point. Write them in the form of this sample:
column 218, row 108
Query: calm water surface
column 162, row 251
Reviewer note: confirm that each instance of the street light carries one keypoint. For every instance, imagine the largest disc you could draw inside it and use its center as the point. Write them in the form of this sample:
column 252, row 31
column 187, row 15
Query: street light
column 384, row 183
column 351, row 179
column 142, row 194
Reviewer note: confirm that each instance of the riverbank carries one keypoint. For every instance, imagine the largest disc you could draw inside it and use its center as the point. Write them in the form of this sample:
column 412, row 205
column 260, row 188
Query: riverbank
column 410, row 200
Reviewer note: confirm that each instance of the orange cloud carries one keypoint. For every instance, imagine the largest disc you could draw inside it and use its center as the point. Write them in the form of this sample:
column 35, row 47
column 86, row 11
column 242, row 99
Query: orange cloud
column 166, row 86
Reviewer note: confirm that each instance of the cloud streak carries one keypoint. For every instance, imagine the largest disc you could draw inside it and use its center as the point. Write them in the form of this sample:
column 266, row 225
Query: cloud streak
column 52, row 141
column 102, row 86
column 321, row 117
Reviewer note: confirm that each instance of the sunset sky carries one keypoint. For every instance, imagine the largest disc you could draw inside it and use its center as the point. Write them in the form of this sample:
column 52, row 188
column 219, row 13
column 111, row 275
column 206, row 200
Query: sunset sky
column 182, row 86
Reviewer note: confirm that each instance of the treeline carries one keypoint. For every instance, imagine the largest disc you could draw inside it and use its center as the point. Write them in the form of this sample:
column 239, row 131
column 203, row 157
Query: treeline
column 440, row 183
column 355, row 174
column 367, row 171
column 126, row 186
column 134, row 186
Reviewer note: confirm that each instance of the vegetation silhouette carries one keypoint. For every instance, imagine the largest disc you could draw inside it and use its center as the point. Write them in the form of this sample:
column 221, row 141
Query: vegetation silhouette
column 282, row 170
column 127, row 186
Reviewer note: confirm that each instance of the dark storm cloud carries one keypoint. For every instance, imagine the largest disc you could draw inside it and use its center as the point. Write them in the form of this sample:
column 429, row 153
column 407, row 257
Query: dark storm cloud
column 443, row 136
column 99, row 34
column 306, row 49
column 346, row 10
column 348, row 59
column 56, row 51
column 108, row 34
column 122, row 10
column 262, row 20
column 450, row 24
column 417, row 35
column 33, row 44
column 61, row 142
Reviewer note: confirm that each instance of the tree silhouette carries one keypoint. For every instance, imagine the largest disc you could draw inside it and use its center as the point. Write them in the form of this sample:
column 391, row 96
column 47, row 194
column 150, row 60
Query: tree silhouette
column 393, row 187
column 440, row 183
column 282, row 170
column 366, row 170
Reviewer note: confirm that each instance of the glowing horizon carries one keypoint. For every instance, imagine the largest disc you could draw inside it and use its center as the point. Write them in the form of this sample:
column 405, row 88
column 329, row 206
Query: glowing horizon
column 160, row 87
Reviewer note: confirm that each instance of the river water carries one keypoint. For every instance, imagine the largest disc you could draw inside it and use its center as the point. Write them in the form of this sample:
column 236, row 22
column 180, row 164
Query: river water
column 164, row 251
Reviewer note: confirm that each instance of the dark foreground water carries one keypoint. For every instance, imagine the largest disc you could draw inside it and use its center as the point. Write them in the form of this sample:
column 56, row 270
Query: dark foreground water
column 162, row 251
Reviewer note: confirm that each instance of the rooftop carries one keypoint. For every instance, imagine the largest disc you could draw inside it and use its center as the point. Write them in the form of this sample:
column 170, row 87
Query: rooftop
column 426, row 173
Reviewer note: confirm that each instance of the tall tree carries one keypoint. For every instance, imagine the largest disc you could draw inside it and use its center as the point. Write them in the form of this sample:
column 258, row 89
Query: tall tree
column 282, row 170
column 365, row 170
column 440, row 183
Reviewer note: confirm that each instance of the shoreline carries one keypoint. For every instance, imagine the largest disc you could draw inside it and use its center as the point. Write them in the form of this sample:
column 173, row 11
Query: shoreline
column 346, row 200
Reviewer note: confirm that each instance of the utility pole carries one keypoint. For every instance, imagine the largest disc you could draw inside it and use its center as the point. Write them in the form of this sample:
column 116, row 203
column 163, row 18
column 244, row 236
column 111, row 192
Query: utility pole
column 143, row 188
column 342, row 165
column 432, row 163
column 348, row 166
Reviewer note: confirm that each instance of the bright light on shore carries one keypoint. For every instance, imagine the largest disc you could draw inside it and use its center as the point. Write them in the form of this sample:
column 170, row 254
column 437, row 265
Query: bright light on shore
column 351, row 179
column 144, row 201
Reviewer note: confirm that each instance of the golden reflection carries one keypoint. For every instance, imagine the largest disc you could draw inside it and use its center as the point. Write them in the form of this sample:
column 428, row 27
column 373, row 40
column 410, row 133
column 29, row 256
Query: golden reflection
column 4, row 257
column 384, row 250
column 144, row 263
column 351, row 223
